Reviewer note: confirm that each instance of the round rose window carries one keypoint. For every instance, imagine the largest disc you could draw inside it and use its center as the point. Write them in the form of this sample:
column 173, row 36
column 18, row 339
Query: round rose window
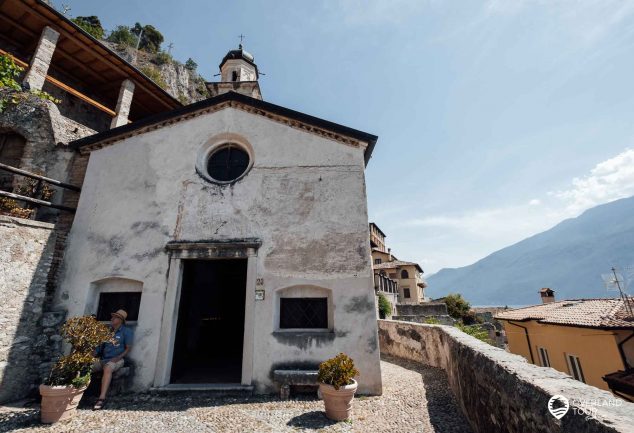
column 227, row 163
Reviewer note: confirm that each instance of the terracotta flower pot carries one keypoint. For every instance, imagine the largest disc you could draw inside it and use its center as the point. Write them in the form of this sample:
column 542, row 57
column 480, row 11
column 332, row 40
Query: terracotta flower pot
column 338, row 402
column 59, row 402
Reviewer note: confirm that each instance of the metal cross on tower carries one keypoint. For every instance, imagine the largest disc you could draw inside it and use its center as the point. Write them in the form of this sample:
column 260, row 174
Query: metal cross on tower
column 241, row 38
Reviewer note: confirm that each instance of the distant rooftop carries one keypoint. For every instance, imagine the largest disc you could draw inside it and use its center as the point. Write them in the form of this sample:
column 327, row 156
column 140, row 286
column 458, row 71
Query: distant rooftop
column 589, row 313
column 379, row 230
column 395, row 264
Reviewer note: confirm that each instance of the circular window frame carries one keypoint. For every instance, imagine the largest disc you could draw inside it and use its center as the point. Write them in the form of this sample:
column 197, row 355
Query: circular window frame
column 217, row 143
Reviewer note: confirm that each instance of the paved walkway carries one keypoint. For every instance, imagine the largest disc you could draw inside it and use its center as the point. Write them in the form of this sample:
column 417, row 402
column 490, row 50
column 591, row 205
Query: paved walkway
column 415, row 399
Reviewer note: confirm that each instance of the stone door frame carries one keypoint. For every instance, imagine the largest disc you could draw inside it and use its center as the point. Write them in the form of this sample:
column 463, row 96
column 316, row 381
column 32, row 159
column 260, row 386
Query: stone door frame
column 205, row 250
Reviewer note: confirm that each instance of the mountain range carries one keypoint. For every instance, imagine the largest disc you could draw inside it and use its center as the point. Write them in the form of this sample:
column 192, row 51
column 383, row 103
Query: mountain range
column 569, row 258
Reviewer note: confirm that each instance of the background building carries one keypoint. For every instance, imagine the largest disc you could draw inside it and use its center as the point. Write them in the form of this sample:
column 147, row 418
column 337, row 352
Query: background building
column 586, row 338
column 407, row 277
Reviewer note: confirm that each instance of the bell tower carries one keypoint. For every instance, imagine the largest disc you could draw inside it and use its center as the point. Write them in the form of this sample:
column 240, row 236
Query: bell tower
column 238, row 73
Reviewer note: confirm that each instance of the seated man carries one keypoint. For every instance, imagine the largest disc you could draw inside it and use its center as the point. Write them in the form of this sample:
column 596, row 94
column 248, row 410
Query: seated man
column 111, row 354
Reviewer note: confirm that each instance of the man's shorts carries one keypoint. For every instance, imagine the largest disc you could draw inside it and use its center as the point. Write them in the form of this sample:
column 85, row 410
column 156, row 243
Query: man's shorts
column 114, row 366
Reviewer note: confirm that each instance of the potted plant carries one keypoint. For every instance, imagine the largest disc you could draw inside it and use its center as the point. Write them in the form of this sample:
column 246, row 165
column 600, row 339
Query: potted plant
column 337, row 386
column 70, row 375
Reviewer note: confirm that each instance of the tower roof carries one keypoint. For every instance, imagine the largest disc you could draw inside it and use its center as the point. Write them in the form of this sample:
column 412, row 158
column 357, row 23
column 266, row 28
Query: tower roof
column 240, row 54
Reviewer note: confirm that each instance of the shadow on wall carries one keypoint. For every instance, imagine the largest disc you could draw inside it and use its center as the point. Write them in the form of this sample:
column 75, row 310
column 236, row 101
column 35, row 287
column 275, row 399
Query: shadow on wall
column 28, row 335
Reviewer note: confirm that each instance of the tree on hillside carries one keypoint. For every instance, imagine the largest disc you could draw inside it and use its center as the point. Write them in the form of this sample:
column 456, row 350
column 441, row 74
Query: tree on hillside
column 190, row 64
column 151, row 38
column 90, row 24
column 122, row 36
column 457, row 306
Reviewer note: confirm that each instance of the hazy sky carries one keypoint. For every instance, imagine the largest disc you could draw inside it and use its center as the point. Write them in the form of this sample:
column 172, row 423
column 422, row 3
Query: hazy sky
column 496, row 119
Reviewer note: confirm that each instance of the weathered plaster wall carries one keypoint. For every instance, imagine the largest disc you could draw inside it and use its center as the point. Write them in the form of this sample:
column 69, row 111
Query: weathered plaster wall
column 28, row 336
column 499, row 391
column 304, row 198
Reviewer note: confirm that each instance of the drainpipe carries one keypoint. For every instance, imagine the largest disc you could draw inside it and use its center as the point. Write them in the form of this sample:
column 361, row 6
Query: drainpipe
column 528, row 339
column 626, row 366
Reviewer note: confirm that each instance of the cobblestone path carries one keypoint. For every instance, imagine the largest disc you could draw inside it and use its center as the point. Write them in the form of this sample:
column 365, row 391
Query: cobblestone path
column 415, row 399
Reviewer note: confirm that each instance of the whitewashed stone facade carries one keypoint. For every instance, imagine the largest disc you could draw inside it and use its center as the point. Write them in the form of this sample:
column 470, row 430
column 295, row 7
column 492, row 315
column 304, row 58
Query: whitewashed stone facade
column 299, row 214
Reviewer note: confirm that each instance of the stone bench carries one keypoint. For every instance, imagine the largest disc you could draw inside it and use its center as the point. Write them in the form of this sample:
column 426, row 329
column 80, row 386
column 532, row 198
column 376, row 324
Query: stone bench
column 286, row 378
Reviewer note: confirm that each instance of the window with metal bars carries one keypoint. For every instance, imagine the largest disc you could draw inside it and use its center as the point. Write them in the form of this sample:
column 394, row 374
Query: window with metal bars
column 109, row 302
column 303, row 313
column 227, row 163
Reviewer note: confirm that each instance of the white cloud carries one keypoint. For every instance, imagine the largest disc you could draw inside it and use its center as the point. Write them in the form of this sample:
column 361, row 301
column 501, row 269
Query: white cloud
column 608, row 181
column 499, row 223
column 460, row 239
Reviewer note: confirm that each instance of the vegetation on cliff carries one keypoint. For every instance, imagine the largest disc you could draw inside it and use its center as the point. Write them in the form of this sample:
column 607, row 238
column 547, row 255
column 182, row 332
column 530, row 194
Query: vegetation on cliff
column 141, row 44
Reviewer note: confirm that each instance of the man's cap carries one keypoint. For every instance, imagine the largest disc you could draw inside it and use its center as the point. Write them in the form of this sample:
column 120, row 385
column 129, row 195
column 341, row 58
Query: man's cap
column 121, row 314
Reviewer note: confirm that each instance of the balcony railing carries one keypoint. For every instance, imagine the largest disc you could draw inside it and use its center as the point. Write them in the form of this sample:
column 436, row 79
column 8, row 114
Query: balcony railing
column 36, row 196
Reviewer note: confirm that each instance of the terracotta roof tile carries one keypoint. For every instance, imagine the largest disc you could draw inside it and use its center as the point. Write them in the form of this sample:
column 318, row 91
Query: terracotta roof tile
column 395, row 264
column 599, row 313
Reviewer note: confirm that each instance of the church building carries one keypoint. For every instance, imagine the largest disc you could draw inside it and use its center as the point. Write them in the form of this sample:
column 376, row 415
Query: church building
column 235, row 233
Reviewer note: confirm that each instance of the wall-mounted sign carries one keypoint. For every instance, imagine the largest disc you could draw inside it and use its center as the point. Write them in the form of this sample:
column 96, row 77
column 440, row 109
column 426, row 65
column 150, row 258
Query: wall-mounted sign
column 259, row 295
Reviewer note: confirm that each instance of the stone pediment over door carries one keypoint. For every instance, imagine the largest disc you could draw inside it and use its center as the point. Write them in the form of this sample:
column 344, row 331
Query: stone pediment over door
column 213, row 249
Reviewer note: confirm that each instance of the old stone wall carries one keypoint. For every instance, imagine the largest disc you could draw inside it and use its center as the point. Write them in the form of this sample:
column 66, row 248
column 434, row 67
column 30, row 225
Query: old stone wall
column 31, row 252
column 499, row 391
column 28, row 335
column 77, row 112
column 47, row 134
column 420, row 313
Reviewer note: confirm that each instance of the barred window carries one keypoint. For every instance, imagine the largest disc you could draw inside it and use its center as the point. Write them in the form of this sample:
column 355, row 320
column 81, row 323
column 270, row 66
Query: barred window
column 306, row 313
column 109, row 302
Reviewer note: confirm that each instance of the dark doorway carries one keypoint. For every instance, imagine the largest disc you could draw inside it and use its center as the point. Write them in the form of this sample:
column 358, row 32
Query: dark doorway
column 11, row 151
column 210, row 329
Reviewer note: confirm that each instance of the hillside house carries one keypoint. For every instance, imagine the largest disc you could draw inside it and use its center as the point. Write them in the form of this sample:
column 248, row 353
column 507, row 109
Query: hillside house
column 586, row 338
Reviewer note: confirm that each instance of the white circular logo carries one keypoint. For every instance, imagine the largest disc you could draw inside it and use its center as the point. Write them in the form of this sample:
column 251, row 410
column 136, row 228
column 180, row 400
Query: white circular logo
column 558, row 406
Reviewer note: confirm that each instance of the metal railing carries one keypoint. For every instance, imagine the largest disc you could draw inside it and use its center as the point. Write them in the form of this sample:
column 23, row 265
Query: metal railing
column 36, row 200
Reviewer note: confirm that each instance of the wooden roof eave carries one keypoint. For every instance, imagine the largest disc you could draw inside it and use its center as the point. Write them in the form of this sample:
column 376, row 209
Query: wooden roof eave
column 88, row 43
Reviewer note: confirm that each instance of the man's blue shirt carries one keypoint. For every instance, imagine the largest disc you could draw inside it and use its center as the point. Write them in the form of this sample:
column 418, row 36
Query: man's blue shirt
column 122, row 337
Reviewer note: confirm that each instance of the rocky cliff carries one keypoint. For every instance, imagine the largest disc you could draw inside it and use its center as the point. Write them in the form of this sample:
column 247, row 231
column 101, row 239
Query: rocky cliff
column 184, row 84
